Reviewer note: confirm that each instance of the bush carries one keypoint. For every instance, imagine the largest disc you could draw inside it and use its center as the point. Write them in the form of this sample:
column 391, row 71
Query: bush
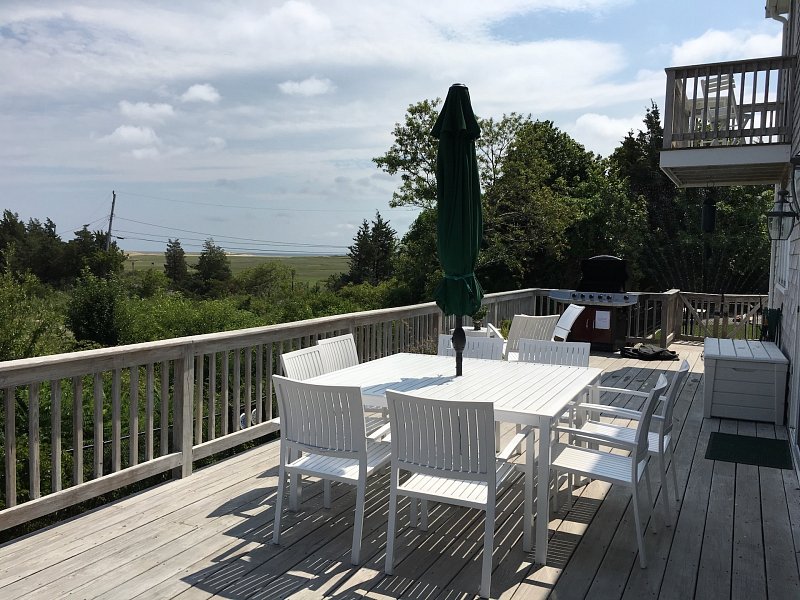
column 95, row 310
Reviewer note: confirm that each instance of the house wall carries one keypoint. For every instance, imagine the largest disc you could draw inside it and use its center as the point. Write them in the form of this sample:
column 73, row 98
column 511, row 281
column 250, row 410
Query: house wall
column 788, row 298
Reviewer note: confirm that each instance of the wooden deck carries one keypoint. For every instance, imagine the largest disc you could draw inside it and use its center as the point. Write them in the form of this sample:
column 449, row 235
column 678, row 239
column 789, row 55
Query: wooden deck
column 736, row 535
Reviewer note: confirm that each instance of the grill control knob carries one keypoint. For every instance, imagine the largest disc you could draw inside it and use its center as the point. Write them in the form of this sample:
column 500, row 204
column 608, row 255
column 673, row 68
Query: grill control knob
column 626, row 297
column 574, row 295
column 591, row 296
column 583, row 296
column 609, row 298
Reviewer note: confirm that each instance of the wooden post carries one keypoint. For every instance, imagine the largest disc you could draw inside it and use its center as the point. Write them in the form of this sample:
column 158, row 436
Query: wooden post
column 182, row 429
column 11, row 447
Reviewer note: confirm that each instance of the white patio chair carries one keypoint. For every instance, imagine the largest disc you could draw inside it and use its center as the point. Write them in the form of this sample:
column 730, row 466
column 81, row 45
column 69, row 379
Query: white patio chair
column 574, row 354
column 660, row 441
column 338, row 352
column 448, row 448
column 566, row 321
column 303, row 364
column 323, row 435
column 476, row 347
column 614, row 468
column 494, row 331
column 530, row 328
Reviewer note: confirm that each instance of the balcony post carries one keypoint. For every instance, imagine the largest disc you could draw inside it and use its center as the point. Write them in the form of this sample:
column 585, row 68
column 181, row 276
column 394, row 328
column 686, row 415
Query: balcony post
column 669, row 107
column 182, row 430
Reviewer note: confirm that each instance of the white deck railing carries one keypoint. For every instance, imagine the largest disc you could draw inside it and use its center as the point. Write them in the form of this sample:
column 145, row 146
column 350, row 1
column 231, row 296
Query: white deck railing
column 79, row 425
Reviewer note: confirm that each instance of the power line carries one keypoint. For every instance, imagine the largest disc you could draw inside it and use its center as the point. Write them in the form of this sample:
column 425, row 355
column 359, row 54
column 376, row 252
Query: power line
column 246, row 207
column 255, row 252
column 224, row 237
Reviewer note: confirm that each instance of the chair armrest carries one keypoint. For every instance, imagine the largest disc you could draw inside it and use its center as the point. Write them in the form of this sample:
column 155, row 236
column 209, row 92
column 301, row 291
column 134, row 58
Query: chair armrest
column 625, row 413
column 379, row 433
column 613, row 390
column 609, row 440
column 506, row 452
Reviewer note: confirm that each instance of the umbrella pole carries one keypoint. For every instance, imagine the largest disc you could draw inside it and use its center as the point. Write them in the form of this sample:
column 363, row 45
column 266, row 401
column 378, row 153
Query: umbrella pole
column 459, row 341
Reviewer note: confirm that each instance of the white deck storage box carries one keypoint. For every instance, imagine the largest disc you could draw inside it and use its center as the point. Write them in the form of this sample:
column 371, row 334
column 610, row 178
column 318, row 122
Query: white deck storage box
column 744, row 379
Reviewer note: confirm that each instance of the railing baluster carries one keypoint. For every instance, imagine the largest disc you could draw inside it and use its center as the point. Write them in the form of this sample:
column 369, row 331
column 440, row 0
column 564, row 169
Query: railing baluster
column 116, row 422
column 77, row 430
column 225, row 427
column 163, row 446
column 248, row 385
column 237, row 387
column 260, row 383
column 10, row 441
column 212, row 396
column 34, row 440
column 198, row 398
column 133, row 418
column 98, row 424
column 148, row 412
column 55, row 434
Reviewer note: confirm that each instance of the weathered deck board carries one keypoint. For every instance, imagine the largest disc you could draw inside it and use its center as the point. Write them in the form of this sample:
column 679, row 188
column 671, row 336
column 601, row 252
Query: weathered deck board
column 209, row 535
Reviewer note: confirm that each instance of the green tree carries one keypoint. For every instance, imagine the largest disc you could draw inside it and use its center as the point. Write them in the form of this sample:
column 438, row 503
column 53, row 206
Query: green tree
column 32, row 325
column 372, row 254
column 95, row 311
column 87, row 250
column 213, row 271
column 175, row 267
column 413, row 155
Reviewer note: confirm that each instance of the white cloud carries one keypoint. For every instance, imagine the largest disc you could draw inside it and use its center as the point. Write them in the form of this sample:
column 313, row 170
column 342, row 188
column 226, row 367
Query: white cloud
column 215, row 143
column 144, row 111
column 717, row 46
column 308, row 87
column 130, row 135
column 145, row 153
column 601, row 133
column 201, row 92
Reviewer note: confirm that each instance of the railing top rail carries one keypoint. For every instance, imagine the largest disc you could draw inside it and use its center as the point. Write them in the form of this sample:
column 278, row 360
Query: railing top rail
column 779, row 61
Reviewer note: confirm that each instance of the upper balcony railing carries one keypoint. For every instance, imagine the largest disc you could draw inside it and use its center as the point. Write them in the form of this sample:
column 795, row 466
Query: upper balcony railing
column 735, row 103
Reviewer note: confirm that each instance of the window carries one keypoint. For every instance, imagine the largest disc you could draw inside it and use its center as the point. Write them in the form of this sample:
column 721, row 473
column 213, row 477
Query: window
column 780, row 263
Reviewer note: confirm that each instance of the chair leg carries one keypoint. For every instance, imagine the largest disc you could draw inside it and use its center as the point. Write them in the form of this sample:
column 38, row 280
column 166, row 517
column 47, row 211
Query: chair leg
column 295, row 485
column 488, row 545
column 276, row 526
column 665, row 488
column 390, row 531
column 413, row 511
column 326, row 493
column 358, row 523
column 639, row 531
column 423, row 517
column 674, row 475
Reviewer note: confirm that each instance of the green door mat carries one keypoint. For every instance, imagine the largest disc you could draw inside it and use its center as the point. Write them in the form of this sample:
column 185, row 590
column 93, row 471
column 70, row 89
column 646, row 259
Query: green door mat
column 762, row 452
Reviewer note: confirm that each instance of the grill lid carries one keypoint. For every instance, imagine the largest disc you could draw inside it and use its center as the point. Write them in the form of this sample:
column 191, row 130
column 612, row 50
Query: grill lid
column 603, row 273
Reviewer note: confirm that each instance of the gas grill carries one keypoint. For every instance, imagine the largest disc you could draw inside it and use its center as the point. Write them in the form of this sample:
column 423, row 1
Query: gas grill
column 604, row 321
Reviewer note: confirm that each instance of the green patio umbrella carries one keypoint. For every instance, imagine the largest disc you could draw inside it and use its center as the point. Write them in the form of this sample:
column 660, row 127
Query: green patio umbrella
column 460, row 221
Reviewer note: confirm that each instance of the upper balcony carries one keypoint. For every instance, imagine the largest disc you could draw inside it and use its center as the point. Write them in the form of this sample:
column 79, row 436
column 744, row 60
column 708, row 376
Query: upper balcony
column 728, row 123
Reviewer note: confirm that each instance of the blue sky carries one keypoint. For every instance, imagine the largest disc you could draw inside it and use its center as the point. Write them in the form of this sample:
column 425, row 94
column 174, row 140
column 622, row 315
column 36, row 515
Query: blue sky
column 254, row 122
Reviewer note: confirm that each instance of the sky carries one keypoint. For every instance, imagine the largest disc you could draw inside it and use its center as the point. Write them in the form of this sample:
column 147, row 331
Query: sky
column 255, row 122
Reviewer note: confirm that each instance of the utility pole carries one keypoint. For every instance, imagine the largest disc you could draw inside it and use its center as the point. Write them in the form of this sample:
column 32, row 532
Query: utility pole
column 111, row 220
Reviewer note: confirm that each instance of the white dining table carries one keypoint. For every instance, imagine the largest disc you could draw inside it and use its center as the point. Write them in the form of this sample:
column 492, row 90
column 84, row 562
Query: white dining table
column 522, row 393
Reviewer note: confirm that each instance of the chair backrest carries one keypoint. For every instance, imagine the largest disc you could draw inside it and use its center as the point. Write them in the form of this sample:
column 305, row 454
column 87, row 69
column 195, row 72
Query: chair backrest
column 722, row 82
column 322, row 419
column 338, row 352
column 672, row 394
column 574, row 354
column 565, row 322
column 476, row 347
column 530, row 328
column 303, row 364
column 441, row 437
column 642, row 443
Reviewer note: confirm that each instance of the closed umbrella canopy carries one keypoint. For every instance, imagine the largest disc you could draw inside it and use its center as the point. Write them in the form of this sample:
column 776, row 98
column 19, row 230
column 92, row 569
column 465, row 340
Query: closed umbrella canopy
column 460, row 220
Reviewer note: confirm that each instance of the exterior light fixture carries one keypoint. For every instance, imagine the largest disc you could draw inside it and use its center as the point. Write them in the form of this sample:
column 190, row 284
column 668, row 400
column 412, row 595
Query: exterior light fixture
column 781, row 219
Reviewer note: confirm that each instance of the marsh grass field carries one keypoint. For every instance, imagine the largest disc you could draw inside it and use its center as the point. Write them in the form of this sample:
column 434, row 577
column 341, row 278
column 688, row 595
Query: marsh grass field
column 310, row 269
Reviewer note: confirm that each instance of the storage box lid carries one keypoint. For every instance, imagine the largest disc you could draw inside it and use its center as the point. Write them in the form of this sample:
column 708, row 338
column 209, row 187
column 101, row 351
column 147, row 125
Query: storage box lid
column 749, row 350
